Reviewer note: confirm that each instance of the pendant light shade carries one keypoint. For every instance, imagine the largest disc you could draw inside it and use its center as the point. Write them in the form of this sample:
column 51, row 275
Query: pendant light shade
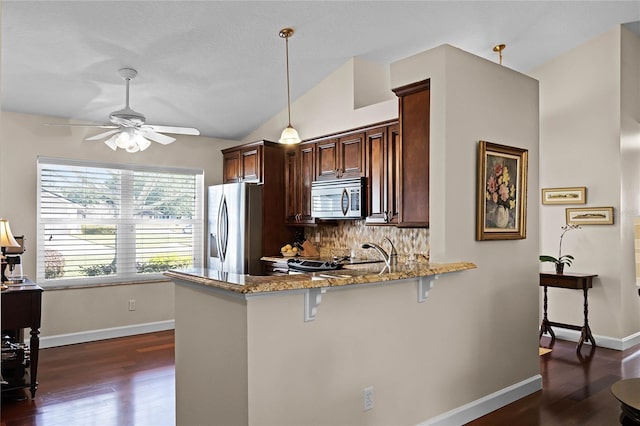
column 289, row 134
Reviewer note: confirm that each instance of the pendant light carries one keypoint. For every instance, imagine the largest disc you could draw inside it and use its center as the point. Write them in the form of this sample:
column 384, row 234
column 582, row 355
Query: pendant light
column 289, row 134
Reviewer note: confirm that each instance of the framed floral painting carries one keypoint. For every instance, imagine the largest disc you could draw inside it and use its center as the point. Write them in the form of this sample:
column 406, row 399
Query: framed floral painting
column 502, row 192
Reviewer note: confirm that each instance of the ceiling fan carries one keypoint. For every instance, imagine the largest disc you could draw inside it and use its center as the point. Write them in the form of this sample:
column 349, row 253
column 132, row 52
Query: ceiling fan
column 129, row 130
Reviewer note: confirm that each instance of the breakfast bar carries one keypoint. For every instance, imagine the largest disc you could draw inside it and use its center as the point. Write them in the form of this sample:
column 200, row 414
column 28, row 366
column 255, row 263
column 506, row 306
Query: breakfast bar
column 268, row 348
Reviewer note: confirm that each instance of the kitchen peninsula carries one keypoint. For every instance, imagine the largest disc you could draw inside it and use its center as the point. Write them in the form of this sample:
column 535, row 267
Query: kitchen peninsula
column 296, row 349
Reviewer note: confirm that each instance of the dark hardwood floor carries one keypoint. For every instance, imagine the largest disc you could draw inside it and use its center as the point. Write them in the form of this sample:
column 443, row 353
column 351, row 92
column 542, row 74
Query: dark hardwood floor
column 575, row 390
column 130, row 381
column 117, row 382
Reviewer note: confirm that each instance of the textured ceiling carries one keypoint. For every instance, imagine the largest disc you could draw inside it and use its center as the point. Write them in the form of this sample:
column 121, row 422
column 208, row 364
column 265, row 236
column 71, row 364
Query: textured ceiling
column 219, row 65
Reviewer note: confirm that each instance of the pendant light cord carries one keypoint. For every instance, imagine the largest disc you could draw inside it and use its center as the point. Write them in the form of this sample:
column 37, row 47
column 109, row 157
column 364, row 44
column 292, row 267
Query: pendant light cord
column 286, row 43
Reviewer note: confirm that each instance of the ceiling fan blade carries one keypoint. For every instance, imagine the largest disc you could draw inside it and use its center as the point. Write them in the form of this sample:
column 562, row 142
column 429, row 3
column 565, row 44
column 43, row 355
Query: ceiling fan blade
column 169, row 129
column 102, row 126
column 161, row 139
column 102, row 135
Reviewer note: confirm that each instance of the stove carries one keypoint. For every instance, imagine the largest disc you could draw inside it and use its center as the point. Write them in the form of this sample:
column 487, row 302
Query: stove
column 308, row 265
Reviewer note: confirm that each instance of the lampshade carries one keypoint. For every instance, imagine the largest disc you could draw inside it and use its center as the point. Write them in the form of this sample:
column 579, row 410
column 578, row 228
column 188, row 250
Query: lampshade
column 289, row 136
column 122, row 141
column 111, row 142
column 143, row 143
column 6, row 237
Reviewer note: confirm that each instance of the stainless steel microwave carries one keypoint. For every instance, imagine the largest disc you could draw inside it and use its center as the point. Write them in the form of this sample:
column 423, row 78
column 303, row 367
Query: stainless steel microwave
column 338, row 199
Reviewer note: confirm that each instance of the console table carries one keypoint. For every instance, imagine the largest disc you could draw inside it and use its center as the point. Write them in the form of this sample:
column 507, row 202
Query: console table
column 21, row 309
column 573, row 281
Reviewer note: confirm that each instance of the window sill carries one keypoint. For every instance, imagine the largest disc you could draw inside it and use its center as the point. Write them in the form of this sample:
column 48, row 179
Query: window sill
column 55, row 287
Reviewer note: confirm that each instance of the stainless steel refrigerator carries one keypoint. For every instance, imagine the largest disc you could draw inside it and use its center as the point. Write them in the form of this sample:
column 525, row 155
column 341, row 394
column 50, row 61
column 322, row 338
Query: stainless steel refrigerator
column 235, row 228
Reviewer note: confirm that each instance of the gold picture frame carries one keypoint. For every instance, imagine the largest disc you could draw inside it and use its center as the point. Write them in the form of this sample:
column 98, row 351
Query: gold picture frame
column 572, row 195
column 589, row 215
column 501, row 212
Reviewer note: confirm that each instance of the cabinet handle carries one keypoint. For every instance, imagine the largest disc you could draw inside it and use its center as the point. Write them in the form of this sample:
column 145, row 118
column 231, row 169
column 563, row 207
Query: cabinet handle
column 386, row 216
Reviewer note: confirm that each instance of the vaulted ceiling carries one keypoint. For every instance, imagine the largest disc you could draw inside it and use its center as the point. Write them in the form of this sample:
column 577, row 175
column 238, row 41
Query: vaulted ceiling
column 219, row 65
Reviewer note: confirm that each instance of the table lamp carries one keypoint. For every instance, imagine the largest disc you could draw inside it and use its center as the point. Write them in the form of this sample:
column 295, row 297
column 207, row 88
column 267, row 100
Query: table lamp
column 6, row 240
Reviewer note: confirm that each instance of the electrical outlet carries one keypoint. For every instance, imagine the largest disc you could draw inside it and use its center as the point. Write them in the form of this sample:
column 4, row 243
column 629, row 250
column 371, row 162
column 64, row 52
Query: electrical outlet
column 317, row 236
column 132, row 304
column 367, row 394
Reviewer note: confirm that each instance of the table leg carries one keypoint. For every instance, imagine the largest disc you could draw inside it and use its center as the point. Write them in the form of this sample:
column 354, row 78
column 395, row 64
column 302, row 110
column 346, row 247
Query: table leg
column 545, row 327
column 585, row 334
column 34, row 346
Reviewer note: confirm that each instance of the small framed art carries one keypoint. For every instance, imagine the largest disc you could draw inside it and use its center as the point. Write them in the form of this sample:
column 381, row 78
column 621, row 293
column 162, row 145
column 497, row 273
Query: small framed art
column 589, row 216
column 575, row 195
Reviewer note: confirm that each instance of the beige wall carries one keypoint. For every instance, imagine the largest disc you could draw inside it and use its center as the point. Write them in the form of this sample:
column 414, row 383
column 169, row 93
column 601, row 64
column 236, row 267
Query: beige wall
column 492, row 339
column 22, row 139
column 589, row 137
column 630, row 185
column 211, row 361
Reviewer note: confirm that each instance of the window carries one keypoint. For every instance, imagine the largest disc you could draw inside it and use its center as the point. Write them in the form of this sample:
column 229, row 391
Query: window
column 114, row 223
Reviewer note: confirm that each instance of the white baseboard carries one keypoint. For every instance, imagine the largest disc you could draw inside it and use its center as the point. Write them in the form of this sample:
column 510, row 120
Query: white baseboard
column 601, row 341
column 105, row 333
column 487, row 404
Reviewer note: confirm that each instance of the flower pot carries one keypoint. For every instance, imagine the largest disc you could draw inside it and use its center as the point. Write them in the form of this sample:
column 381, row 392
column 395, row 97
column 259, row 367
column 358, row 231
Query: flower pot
column 502, row 216
column 559, row 268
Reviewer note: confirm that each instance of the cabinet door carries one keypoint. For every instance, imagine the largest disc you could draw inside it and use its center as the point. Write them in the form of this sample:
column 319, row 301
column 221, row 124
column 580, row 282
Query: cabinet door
column 291, row 185
column 231, row 167
column 414, row 101
column 393, row 150
column 376, row 141
column 351, row 156
column 307, row 175
column 299, row 173
column 251, row 165
column 327, row 159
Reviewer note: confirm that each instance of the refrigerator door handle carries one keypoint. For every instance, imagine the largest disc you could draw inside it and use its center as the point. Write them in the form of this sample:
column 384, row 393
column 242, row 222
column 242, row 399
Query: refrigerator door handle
column 223, row 229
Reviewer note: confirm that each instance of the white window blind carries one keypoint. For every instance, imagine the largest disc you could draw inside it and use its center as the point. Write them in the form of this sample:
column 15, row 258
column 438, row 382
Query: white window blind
column 114, row 222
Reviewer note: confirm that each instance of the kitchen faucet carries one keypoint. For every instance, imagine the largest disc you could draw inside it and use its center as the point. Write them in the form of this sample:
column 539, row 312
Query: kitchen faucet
column 389, row 259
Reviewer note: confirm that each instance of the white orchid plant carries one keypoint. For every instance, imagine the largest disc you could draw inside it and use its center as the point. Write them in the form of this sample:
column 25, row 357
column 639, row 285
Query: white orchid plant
column 561, row 260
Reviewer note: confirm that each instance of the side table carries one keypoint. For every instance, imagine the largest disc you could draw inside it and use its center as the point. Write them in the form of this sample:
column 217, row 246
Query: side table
column 21, row 308
column 573, row 281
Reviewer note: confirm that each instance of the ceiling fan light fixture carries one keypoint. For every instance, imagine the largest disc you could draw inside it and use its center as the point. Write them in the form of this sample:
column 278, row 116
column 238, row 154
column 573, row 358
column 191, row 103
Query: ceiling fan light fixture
column 289, row 134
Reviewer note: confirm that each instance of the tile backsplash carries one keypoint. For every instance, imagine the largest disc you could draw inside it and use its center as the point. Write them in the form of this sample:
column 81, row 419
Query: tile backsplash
column 348, row 235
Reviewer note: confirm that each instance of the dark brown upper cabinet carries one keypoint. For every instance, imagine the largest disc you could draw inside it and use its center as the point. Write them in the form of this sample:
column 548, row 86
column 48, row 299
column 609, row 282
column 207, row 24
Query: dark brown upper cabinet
column 414, row 110
column 243, row 164
column 341, row 157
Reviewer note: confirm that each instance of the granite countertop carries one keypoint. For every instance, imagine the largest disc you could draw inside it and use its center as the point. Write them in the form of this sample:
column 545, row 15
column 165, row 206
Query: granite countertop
column 352, row 275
